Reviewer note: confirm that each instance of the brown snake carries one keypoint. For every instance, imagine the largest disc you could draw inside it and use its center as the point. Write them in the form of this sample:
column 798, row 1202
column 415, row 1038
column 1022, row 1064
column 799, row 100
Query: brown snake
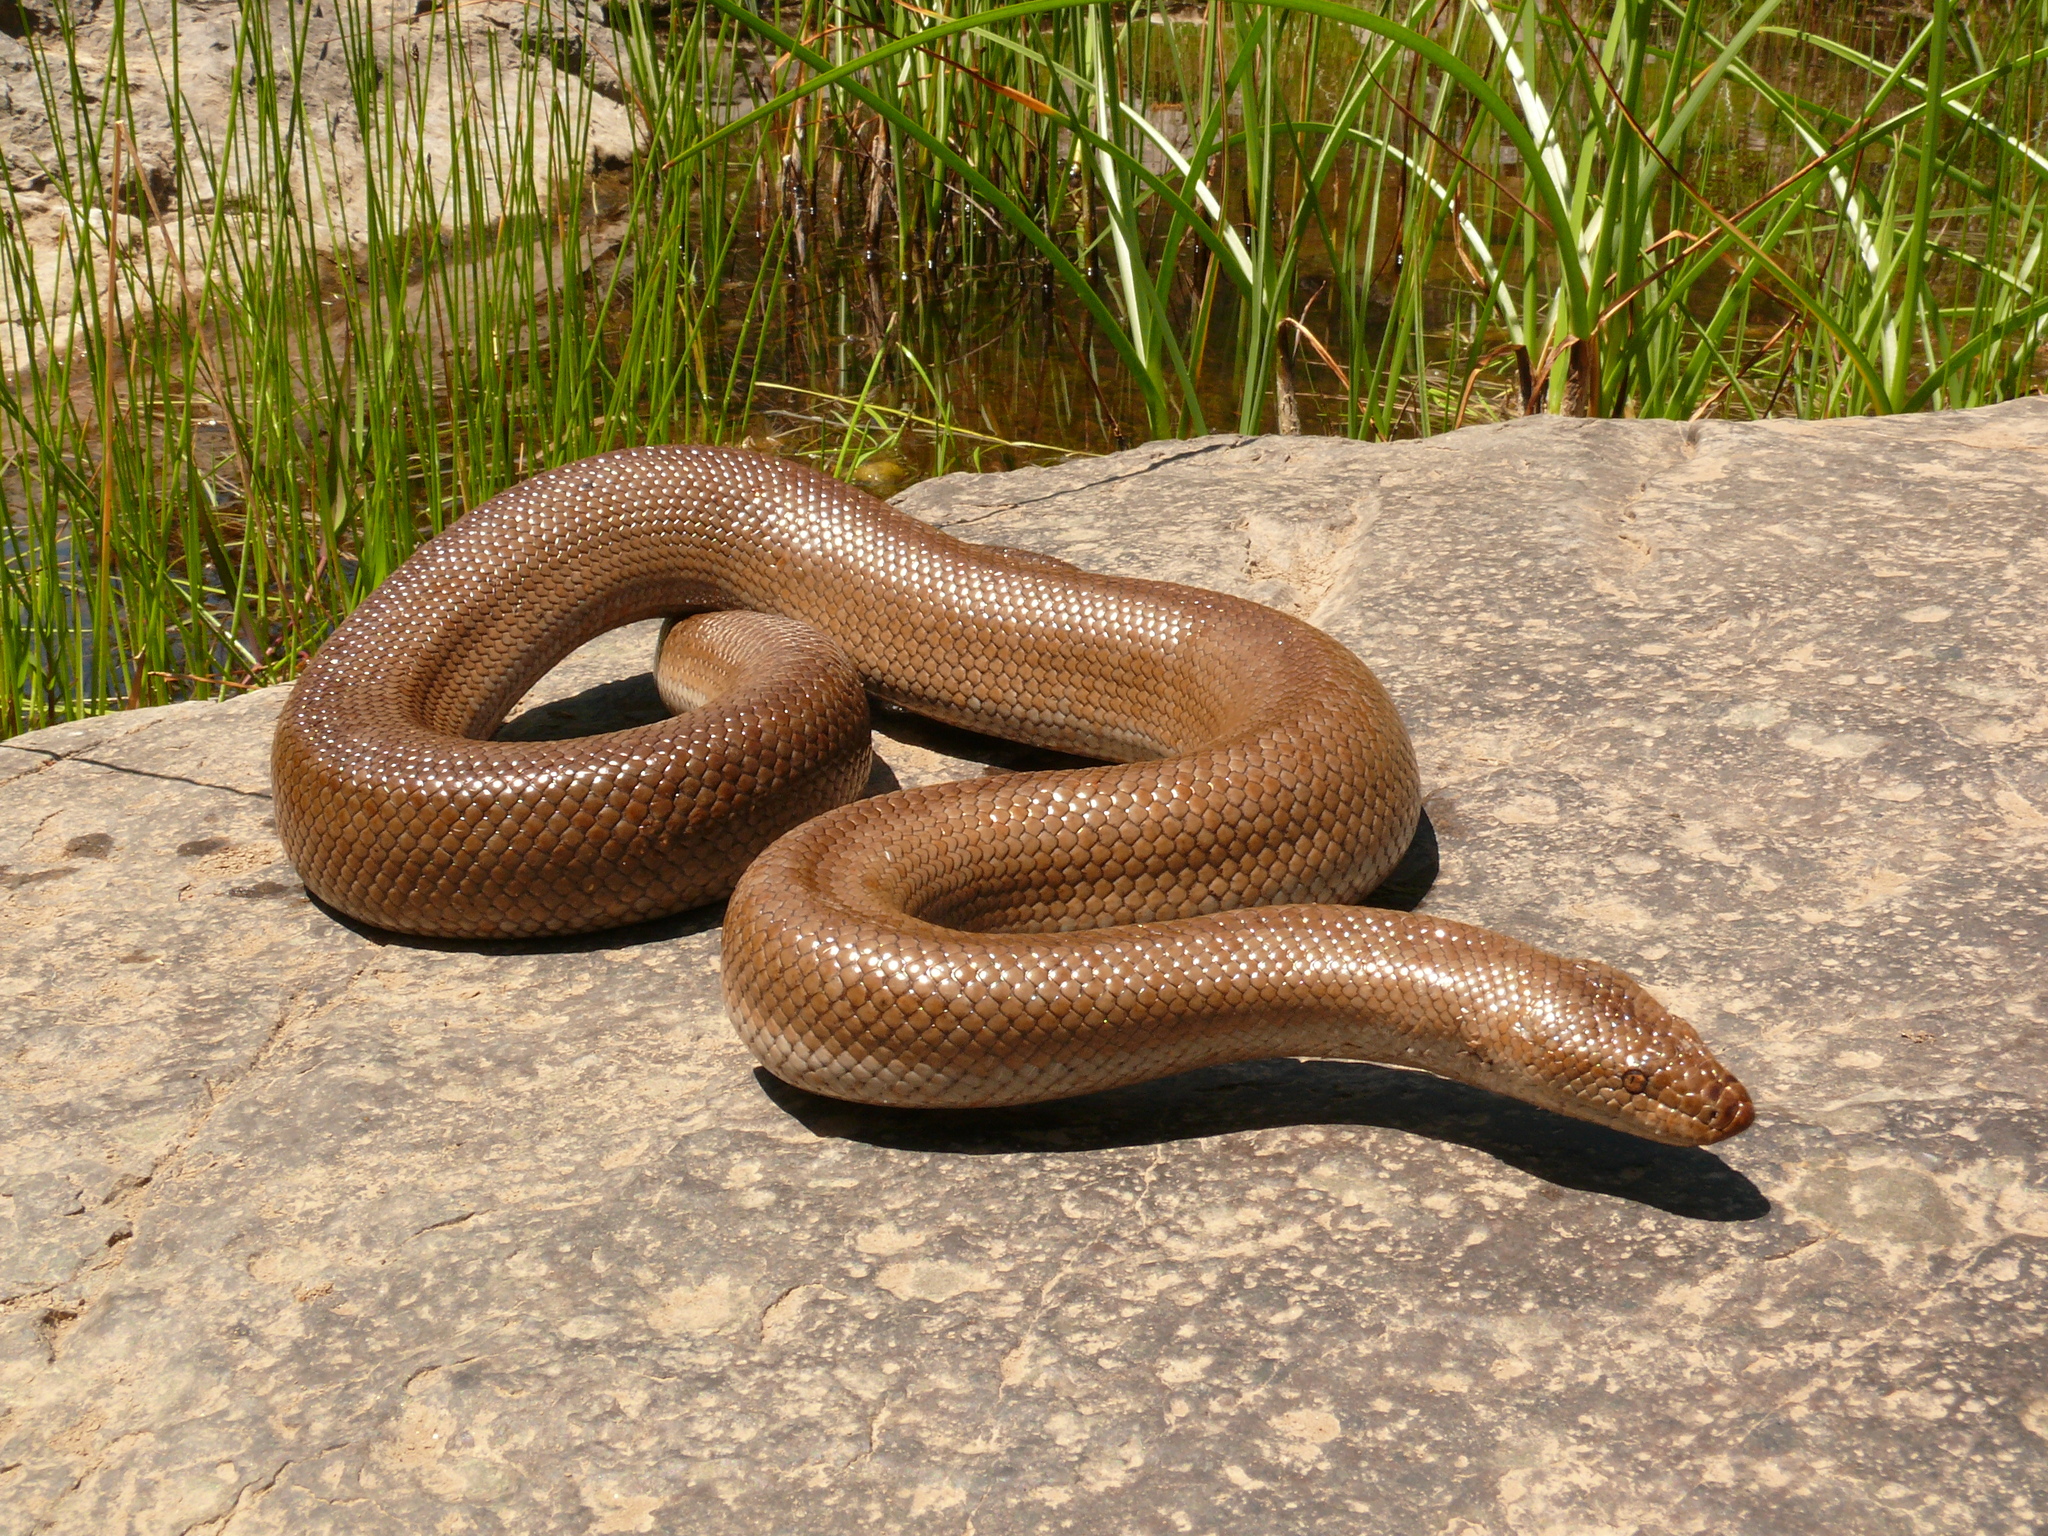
column 995, row 941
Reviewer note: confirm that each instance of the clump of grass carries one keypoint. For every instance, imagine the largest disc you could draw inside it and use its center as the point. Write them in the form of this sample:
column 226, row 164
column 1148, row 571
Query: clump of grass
column 267, row 389
column 243, row 387
column 1512, row 206
column 234, row 404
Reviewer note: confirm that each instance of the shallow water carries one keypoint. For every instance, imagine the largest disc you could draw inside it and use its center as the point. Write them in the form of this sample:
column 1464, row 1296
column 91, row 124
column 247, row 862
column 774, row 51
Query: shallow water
column 1016, row 357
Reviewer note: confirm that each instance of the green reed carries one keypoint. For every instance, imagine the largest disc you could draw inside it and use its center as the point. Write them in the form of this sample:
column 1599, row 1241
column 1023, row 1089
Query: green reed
column 268, row 391
column 232, row 405
column 1507, row 204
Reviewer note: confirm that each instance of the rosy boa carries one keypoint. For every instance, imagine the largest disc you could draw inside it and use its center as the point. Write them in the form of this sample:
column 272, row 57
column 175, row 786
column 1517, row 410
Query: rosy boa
column 995, row 941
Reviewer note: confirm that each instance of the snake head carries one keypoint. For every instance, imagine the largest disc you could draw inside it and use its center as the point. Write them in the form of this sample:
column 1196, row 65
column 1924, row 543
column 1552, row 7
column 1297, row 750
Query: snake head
column 1572, row 1036
column 1607, row 1051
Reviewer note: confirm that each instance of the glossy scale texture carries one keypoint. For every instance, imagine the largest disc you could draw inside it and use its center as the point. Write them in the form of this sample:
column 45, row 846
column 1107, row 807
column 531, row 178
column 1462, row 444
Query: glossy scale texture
column 995, row 941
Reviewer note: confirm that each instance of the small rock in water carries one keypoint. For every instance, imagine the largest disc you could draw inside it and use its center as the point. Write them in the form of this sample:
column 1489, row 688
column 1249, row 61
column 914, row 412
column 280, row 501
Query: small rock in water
column 884, row 477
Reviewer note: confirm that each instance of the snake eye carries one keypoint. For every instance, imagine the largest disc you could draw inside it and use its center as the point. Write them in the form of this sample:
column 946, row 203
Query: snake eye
column 1634, row 1081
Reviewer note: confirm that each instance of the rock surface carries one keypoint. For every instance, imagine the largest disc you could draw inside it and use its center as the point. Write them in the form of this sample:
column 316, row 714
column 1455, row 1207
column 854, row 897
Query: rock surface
column 306, row 1230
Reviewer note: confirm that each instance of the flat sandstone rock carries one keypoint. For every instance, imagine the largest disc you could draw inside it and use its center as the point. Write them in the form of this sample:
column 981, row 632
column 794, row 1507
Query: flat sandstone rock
column 308, row 1230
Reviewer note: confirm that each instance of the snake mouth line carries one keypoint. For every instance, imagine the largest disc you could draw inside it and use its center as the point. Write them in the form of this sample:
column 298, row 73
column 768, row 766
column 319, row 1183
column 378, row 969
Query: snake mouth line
column 1710, row 1116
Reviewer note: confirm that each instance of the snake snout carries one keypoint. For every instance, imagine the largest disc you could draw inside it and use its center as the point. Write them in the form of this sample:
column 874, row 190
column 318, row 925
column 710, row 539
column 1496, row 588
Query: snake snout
column 1688, row 1100
column 1732, row 1112
column 1692, row 1102
column 1646, row 1070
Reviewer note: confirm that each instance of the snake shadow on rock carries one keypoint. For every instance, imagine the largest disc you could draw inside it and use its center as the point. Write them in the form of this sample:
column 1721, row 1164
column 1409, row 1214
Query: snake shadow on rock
column 1263, row 1095
column 660, row 930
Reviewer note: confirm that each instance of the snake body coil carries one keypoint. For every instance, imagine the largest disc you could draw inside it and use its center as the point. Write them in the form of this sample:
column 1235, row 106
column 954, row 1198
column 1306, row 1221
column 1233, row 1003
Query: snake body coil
column 995, row 941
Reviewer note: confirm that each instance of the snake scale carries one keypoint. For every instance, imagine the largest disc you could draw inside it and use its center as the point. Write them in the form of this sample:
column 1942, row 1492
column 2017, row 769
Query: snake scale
column 1183, row 902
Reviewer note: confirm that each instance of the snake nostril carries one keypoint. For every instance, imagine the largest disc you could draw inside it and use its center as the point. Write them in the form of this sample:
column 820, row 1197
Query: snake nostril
column 1732, row 1111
